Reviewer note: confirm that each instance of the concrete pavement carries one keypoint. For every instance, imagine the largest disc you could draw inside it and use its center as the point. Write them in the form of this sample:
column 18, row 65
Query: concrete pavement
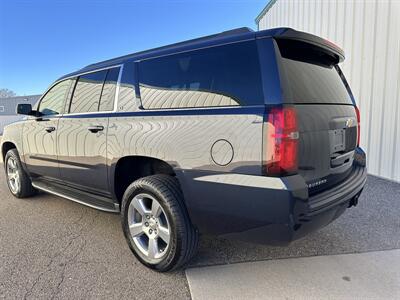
column 370, row 275
column 53, row 248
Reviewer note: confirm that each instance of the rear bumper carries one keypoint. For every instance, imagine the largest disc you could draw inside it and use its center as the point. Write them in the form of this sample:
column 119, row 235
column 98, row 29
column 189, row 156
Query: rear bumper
column 308, row 215
column 266, row 210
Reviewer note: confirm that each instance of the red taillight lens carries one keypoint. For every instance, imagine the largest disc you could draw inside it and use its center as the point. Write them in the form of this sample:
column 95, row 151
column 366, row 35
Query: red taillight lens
column 358, row 125
column 280, row 142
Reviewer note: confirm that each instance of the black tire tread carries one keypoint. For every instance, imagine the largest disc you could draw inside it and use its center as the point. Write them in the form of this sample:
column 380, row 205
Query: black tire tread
column 170, row 188
column 27, row 190
column 192, row 235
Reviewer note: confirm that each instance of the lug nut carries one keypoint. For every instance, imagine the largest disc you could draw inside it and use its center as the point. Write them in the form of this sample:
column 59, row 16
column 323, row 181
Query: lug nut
column 150, row 231
column 146, row 224
column 147, row 217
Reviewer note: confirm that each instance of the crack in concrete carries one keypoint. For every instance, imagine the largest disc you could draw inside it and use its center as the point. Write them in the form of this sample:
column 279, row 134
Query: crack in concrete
column 73, row 259
column 54, row 258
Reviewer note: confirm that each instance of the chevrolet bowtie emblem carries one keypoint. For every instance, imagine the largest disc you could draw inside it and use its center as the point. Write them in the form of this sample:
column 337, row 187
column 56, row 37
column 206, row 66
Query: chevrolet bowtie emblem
column 349, row 122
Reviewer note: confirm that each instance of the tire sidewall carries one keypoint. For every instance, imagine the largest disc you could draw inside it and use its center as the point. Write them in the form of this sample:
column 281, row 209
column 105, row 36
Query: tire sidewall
column 173, row 247
column 12, row 154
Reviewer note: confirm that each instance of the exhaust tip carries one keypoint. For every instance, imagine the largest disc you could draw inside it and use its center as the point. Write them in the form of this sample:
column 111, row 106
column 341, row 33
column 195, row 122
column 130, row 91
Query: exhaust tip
column 354, row 201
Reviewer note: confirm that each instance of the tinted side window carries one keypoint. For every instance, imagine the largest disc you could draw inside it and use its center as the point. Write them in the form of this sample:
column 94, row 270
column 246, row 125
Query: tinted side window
column 53, row 102
column 108, row 94
column 87, row 92
column 218, row 76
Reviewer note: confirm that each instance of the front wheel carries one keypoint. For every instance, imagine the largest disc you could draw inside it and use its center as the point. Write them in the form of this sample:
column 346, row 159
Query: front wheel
column 156, row 224
column 18, row 181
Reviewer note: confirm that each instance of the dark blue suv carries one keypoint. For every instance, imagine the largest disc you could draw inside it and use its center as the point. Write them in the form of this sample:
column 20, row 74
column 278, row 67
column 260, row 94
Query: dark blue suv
column 247, row 135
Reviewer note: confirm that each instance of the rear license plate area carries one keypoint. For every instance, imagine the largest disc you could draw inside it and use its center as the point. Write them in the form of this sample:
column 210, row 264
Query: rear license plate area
column 337, row 139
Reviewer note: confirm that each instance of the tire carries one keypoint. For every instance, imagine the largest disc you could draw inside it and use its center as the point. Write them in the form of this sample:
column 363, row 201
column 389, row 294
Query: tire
column 23, row 185
column 143, row 195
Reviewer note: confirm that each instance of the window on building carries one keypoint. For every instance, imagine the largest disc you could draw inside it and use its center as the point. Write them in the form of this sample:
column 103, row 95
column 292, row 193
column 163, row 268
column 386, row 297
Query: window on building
column 86, row 97
column 1, row 108
column 53, row 102
column 218, row 76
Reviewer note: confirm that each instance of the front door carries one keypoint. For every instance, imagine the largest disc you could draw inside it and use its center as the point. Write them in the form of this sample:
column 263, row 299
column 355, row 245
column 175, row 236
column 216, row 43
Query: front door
column 39, row 133
column 82, row 134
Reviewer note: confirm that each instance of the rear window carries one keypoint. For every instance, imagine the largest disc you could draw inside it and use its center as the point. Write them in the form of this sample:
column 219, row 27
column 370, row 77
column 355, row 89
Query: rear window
column 226, row 75
column 310, row 75
column 87, row 92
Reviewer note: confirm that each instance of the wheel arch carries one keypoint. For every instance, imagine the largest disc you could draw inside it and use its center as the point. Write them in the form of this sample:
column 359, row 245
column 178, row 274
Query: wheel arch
column 5, row 147
column 132, row 167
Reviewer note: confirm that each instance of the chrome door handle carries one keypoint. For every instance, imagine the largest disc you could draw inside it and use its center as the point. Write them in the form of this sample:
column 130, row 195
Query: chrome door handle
column 50, row 129
column 95, row 129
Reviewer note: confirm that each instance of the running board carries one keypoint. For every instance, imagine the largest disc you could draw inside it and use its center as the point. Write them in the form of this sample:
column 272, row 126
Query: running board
column 93, row 201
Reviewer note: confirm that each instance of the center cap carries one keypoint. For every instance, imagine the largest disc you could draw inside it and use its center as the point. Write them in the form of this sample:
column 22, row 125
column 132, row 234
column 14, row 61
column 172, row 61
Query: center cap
column 153, row 224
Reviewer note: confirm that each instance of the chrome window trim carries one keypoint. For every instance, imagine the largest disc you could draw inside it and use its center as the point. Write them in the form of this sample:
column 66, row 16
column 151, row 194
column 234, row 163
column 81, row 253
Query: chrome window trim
column 117, row 88
column 143, row 110
column 77, row 75
column 121, row 67
column 45, row 93
column 93, row 71
column 88, row 113
column 152, row 111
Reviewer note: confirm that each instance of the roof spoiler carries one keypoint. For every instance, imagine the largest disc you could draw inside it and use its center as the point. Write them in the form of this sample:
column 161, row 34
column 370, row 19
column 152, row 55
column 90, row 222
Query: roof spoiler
column 289, row 33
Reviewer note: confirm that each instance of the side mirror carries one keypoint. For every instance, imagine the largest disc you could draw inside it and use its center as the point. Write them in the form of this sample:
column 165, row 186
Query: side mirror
column 25, row 109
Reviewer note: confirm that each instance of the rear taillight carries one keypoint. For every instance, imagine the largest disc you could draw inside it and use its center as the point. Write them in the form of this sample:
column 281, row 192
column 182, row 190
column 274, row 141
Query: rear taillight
column 280, row 142
column 358, row 125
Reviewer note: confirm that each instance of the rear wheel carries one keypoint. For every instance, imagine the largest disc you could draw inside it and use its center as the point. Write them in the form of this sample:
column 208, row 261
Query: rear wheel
column 156, row 224
column 18, row 181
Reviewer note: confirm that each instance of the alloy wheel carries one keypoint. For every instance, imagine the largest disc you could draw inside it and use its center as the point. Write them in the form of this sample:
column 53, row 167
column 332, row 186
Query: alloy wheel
column 13, row 175
column 149, row 226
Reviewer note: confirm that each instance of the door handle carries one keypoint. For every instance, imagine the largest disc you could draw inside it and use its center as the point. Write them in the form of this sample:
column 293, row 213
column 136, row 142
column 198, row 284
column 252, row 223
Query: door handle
column 96, row 128
column 50, row 129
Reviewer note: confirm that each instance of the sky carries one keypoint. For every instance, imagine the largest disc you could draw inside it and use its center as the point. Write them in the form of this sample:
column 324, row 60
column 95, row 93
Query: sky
column 41, row 40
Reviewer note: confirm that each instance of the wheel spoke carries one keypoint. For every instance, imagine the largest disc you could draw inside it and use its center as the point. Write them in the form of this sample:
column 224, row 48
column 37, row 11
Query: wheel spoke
column 163, row 233
column 139, row 206
column 11, row 163
column 145, row 209
column 156, row 209
column 16, row 180
column 136, row 229
column 153, row 248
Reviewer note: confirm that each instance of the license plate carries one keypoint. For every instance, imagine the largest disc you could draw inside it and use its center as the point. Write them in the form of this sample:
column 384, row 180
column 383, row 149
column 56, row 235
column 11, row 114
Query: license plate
column 337, row 140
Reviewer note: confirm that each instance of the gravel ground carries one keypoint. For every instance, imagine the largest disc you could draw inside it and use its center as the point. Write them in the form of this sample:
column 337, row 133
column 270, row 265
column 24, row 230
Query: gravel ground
column 54, row 248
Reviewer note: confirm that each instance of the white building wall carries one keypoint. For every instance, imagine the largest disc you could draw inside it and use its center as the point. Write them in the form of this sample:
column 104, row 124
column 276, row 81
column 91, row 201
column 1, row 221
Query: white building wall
column 369, row 33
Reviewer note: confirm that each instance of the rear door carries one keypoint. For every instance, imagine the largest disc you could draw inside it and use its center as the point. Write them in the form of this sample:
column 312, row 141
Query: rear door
column 313, row 83
column 82, row 134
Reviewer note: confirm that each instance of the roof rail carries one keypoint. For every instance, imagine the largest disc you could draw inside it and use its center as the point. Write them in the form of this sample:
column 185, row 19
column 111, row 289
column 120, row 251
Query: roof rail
column 208, row 37
column 236, row 31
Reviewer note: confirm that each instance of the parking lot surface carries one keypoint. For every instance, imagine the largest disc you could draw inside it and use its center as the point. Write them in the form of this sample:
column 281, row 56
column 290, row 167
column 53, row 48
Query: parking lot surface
column 54, row 248
column 367, row 275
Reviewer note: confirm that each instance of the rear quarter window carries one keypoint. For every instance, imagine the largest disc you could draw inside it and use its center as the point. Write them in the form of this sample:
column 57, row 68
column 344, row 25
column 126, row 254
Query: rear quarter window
column 227, row 75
